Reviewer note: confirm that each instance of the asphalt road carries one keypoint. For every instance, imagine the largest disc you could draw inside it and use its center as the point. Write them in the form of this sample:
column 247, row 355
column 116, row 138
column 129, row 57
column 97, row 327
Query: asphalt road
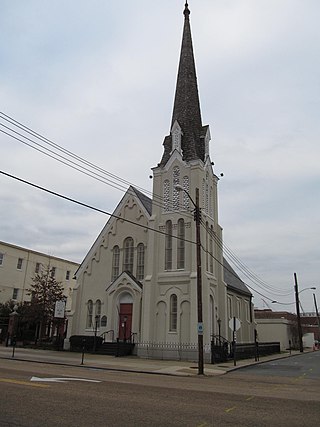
column 240, row 398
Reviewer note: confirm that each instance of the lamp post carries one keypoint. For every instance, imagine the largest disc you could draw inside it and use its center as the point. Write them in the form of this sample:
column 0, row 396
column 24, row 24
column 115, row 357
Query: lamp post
column 95, row 333
column 124, row 325
column 197, row 218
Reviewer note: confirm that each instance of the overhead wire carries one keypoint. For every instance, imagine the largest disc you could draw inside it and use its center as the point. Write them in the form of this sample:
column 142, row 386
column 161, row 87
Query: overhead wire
column 112, row 215
column 242, row 267
column 74, row 161
column 113, row 183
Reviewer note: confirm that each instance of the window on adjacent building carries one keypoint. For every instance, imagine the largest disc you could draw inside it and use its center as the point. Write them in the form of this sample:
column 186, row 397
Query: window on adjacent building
column 15, row 293
column 19, row 263
column 37, row 269
column 168, row 246
column 140, row 261
column 89, row 314
column 1, row 258
column 115, row 262
column 173, row 312
column 53, row 272
column 128, row 255
column 68, row 275
column 181, row 244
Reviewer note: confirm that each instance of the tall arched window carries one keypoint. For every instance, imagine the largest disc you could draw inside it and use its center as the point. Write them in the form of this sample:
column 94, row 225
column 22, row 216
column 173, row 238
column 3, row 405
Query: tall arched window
column 166, row 195
column 175, row 192
column 207, row 246
column 128, row 255
column 115, row 262
column 168, row 246
column 181, row 244
column 186, row 200
column 89, row 314
column 211, row 254
column 173, row 313
column 98, row 313
column 140, row 261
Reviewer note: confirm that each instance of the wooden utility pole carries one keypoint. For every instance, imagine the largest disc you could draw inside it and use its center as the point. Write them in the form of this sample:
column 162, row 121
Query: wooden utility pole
column 199, row 286
column 298, row 313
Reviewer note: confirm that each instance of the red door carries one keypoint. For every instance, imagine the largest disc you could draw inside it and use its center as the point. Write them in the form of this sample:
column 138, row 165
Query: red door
column 125, row 322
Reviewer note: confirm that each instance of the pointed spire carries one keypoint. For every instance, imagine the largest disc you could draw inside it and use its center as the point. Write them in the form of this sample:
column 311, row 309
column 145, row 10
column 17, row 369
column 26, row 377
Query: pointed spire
column 186, row 109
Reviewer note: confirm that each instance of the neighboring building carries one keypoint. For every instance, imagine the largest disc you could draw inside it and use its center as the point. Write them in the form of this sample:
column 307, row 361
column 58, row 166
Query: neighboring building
column 140, row 275
column 19, row 265
column 282, row 327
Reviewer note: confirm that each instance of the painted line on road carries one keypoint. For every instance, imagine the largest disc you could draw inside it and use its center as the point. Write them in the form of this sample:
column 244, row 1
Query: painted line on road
column 63, row 380
column 230, row 409
column 10, row 381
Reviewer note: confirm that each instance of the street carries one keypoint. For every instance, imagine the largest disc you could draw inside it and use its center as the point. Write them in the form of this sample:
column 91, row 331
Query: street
column 260, row 395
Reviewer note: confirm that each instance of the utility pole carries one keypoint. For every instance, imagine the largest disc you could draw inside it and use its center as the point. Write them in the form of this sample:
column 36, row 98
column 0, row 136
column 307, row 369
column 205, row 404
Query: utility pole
column 317, row 313
column 298, row 313
column 199, row 286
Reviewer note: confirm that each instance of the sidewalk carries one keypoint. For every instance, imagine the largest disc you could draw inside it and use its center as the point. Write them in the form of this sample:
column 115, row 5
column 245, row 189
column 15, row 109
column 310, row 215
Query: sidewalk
column 130, row 363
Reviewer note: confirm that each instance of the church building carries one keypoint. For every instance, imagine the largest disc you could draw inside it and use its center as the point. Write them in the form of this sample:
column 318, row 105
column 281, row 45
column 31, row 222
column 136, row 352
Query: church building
column 138, row 281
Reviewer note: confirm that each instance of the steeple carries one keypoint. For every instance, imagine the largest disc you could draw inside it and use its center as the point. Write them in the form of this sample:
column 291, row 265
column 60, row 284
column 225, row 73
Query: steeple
column 186, row 109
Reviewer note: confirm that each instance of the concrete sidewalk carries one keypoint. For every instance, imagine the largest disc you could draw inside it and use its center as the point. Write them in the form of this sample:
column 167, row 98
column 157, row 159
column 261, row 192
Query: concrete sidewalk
column 129, row 363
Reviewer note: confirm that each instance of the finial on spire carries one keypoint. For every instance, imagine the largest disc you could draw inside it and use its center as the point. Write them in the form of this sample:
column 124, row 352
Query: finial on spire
column 186, row 11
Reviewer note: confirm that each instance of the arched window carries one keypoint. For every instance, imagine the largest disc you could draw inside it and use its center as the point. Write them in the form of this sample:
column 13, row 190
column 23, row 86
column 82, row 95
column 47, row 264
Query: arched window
column 140, row 261
column 181, row 244
column 128, row 255
column 103, row 321
column 115, row 262
column 175, row 192
column 173, row 313
column 211, row 254
column 98, row 313
column 168, row 246
column 186, row 200
column 207, row 246
column 89, row 314
column 166, row 195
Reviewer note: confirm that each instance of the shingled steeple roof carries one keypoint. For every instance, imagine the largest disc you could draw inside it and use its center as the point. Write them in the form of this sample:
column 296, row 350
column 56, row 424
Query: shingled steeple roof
column 186, row 108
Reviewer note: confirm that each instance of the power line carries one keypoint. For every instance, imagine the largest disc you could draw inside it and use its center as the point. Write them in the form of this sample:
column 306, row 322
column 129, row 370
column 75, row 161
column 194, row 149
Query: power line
column 112, row 180
column 242, row 267
column 92, row 207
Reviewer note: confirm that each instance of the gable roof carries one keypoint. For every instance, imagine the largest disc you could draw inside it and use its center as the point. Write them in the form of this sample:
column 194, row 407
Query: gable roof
column 145, row 200
column 233, row 281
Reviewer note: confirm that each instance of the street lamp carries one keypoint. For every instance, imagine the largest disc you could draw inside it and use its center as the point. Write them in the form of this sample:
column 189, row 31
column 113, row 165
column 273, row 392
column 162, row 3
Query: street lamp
column 95, row 332
column 197, row 218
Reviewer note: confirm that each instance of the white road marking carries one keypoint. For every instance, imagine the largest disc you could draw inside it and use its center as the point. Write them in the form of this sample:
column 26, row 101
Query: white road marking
column 62, row 380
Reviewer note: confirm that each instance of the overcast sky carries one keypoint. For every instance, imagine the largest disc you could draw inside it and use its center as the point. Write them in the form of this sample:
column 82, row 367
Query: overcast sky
column 98, row 78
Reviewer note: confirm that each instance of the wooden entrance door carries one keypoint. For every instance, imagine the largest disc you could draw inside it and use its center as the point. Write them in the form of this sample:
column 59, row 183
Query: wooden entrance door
column 125, row 321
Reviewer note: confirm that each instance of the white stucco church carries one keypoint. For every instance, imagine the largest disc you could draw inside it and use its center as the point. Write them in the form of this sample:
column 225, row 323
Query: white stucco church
column 139, row 278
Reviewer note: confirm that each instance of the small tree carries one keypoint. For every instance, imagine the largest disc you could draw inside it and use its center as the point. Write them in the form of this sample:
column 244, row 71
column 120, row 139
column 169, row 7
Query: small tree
column 44, row 292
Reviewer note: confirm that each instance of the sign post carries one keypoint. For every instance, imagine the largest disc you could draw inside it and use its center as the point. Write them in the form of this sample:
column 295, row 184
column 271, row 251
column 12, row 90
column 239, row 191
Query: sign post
column 234, row 325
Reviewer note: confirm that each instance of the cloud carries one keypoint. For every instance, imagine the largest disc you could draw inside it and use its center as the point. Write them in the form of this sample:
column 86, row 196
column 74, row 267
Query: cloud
column 99, row 80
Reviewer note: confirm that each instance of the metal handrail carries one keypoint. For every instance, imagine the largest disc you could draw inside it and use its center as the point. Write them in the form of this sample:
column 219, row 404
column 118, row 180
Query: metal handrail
column 103, row 335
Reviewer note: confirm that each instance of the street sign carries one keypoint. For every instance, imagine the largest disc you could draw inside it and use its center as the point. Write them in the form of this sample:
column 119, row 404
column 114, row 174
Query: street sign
column 59, row 309
column 200, row 328
column 234, row 323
